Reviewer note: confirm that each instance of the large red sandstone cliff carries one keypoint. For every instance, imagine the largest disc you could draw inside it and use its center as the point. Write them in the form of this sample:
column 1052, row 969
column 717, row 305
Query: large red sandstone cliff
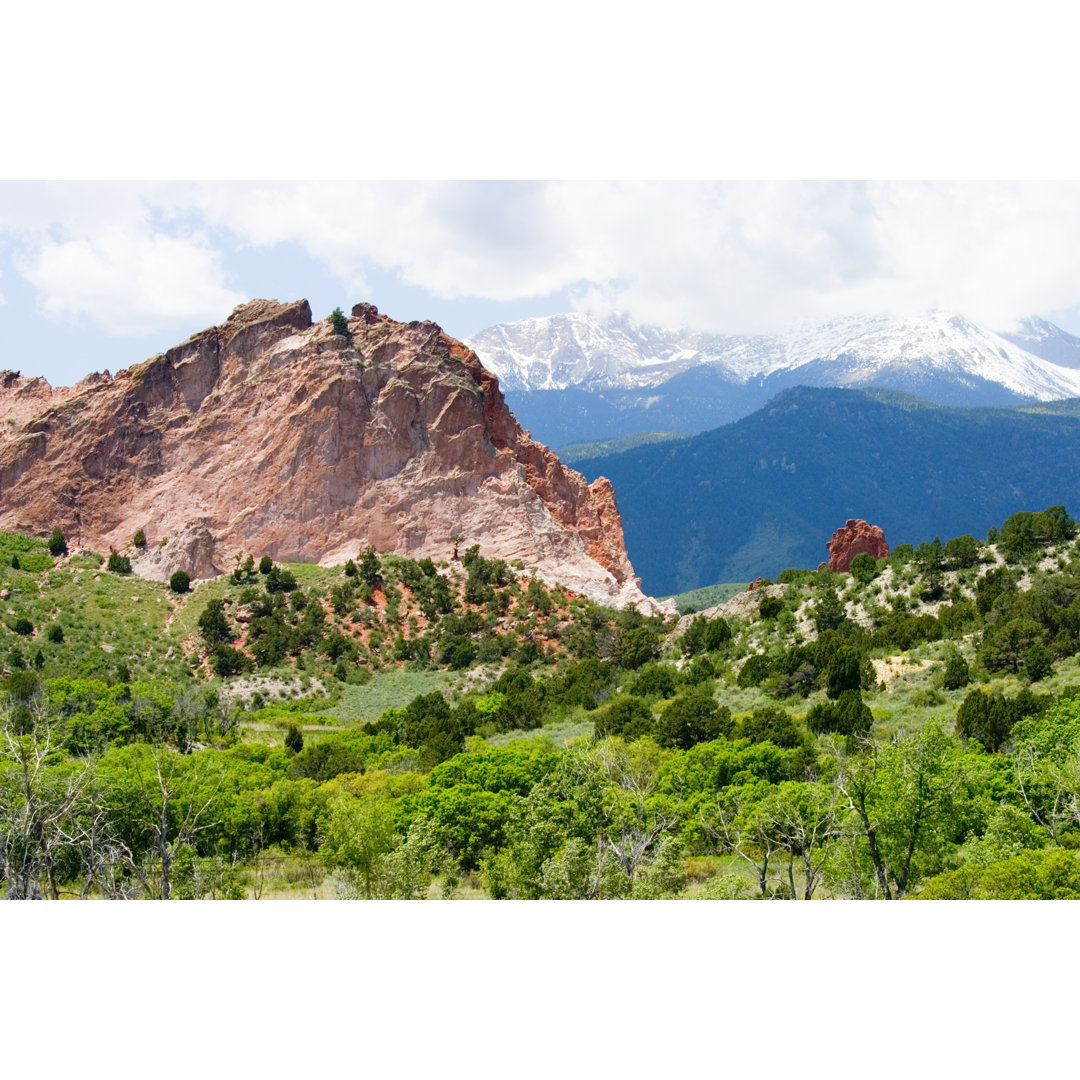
column 280, row 437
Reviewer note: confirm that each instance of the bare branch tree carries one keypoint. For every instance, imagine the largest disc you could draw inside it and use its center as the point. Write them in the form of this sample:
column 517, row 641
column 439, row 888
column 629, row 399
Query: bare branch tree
column 734, row 831
column 174, row 801
column 38, row 802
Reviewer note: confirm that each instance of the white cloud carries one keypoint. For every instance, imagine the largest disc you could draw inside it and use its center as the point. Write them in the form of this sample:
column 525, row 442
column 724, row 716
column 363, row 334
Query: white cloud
column 734, row 257
column 130, row 282
column 95, row 251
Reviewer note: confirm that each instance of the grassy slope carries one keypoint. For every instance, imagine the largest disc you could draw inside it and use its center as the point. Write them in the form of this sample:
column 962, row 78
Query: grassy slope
column 111, row 621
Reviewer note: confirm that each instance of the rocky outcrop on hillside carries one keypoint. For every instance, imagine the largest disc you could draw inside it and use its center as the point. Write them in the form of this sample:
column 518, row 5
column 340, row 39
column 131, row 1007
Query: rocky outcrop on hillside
column 854, row 538
column 191, row 550
column 740, row 606
column 278, row 436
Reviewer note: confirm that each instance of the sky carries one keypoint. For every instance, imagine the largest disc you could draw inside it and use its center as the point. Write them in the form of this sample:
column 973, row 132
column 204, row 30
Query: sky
column 739, row 169
column 99, row 275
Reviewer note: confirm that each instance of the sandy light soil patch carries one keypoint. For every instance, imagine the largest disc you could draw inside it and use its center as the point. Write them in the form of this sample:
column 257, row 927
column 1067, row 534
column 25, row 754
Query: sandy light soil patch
column 891, row 668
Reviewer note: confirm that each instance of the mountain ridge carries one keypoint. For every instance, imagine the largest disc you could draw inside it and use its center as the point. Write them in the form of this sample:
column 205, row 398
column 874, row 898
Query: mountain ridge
column 574, row 378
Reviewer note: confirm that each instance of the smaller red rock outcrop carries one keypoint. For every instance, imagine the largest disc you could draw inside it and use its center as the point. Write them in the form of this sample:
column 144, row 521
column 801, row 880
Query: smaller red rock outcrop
column 854, row 538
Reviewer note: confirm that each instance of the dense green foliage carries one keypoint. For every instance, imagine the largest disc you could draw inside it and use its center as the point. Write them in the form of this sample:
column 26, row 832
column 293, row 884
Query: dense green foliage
column 397, row 728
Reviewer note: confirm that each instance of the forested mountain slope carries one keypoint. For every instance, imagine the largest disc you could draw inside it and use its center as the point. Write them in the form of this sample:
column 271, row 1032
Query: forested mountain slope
column 751, row 498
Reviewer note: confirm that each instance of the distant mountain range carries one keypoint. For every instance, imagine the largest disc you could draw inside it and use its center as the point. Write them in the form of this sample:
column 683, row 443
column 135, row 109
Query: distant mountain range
column 765, row 493
column 576, row 377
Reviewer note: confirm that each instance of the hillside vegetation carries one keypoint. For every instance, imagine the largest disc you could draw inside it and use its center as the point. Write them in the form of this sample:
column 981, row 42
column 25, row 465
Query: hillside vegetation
column 394, row 728
column 581, row 451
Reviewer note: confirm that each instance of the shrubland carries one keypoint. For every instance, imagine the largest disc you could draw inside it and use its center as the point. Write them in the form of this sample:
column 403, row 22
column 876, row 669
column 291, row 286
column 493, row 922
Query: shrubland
column 401, row 728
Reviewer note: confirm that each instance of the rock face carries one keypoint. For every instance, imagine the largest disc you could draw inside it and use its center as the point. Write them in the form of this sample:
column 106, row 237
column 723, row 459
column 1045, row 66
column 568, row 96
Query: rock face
column 191, row 550
column 277, row 436
column 854, row 538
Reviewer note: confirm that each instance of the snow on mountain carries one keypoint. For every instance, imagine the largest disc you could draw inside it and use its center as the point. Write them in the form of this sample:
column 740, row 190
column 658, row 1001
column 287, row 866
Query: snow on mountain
column 1047, row 341
column 585, row 352
column 560, row 351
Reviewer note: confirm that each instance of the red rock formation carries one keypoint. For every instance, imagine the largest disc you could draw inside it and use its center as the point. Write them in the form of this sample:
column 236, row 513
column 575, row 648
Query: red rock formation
column 854, row 538
column 281, row 437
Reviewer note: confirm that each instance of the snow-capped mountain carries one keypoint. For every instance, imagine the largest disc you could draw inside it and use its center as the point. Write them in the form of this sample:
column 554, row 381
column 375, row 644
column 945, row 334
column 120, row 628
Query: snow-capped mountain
column 1038, row 362
column 577, row 378
column 560, row 351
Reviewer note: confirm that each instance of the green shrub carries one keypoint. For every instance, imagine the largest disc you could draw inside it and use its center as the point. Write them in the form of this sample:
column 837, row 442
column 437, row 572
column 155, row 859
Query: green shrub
column 770, row 607
column 638, row 647
column 15, row 564
column 180, row 582
column 266, row 564
column 23, row 626
column 962, row 552
column 279, row 580
column 655, row 680
column 864, row 568
column 1050, row 874
column 770, row 724
column 705, row 635
column 36, row 562
column 957, row 674
column 901, row 555
column 690, row 719
column 57, row 543
column 118, row 564
column 848, row 716
column 828, row 611
column 213, row 625
column 370, row 571
column 627, row 716
column 226, row 660
column 754, row 670
column 55, row 634
column 986, row 717
column 843, row 671
column 796, row 577
column 1038, row 663
column 340, row 323
column 139, row 539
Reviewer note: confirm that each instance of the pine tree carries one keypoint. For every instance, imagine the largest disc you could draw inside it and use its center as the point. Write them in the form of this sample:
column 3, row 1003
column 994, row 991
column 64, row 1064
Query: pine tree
column 340, row 323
